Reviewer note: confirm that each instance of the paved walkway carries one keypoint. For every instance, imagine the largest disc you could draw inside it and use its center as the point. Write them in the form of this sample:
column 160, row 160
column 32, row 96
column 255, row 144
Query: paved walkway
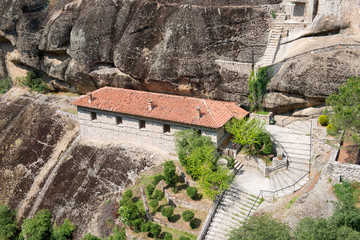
column 250, row 180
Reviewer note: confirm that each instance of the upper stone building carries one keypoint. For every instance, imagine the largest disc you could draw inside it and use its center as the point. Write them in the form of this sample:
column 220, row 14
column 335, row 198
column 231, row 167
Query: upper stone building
column 146, row 118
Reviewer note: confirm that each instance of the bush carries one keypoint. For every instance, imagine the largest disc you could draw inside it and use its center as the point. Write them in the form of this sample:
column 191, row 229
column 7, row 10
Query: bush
column 324, row 120
column 331, row 130
column 187, row 215
column 230, row 162
column 128, row 194
column 146, row 227
column 155, row 229
column 118, row 234
column 8, row 223
column 154, row 203
column 124, row 201
column 193, row 224
column 137, row 223
column 64, row 231
column 268, row 148
column 192, row 192
column 5, row 85
column 34, row 83
column 157, row 179
column 158, row 195
column 170, row 176
column 167, row 211
column 168, row 236
column 149, row 189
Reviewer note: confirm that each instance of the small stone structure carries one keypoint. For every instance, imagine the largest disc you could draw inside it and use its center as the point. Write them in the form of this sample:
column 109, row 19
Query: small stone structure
column 145, row 118
column 339, row 171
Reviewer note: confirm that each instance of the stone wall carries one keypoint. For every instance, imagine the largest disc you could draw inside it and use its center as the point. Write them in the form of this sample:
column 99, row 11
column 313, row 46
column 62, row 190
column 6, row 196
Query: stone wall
column 105, row 129
column 339, row 171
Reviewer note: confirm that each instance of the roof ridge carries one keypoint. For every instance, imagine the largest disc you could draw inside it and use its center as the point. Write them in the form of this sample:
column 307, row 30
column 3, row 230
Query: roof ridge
column 210, row 113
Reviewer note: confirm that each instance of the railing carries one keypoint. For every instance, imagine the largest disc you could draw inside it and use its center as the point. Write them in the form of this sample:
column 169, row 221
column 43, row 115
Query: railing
column 210, row 216
column 288, row 159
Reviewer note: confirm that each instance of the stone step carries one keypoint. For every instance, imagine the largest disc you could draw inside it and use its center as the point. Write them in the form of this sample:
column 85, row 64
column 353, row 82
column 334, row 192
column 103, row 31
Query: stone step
column 234, row 209
column 215, row 236
column 221, row 213
column 226, row 225
column 296, row 156
column 299, row 170
column 217, row 230
column 305, row 152
column 296, row 145
column 300, row 160
column 237, row 206
column 228, row 218
column 285, row 179
column 235, row 197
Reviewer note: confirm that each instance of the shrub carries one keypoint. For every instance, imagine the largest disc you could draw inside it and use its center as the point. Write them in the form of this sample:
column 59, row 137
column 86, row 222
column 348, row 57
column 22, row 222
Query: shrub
column 137, row 223
column 170, row 175
column 118, row 234
column 146, row 227
column 34, row 83
column 124, row 201
column 154, row 203
column 64, row 231
column 187, row 215
column 324, row 120
column 192, row 192
column 158, row 195
column 157, row 179
column 8, row 226
column 149, row 189
column 331, row 130
column 128, row 194
column 184, row 238
column 230, row 162
column 268, row 148
column 168, row 236
column 155, row 229
column 167, row 211
column 193, row 224
column 5, row 85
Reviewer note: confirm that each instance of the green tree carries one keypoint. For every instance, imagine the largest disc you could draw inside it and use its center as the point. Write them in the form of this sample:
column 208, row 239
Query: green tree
column 246, row 132
column 64, row 231
column 8, row 224
column 170, row 176
column 257, row 87
column 263, row 227
column 197, row 157
column 39, row 227
column 345, row 106
column 88, row 236
column 130, row 212
column 5, row 85
column 214, row 181
column 319, row 228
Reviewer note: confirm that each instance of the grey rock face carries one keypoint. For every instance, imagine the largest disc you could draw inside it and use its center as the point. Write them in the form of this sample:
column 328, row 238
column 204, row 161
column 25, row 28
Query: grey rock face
column 167, row 46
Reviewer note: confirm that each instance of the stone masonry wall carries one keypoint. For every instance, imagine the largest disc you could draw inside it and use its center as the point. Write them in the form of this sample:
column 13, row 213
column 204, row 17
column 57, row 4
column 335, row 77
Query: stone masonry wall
column 342, row 171
column 105, row 129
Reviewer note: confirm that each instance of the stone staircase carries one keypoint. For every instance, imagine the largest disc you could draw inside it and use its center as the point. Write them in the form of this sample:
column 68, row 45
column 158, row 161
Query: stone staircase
column 274, row 40
column 296, row 140
column 232, row 211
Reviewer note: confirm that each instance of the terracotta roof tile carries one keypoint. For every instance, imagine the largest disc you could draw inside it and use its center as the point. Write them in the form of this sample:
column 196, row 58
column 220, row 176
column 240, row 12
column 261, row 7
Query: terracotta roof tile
column 214, row 114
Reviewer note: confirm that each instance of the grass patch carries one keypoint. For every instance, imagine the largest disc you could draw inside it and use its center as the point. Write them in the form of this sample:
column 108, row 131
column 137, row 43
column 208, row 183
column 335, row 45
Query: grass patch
column 70, row 110
column 5, row 85
column 177, row 233
column 262, row 112
column 291, row 202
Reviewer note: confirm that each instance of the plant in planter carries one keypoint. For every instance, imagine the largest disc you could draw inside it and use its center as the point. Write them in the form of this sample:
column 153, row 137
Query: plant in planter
column 280, row 156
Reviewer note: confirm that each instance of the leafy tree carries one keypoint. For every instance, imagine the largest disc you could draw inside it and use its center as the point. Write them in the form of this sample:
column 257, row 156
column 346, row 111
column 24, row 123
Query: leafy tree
column 130, row 212
column 149, row 189
column 170, row 176
column 345, row 105
column 146, row 227
column 38, row 227
column 8, row 224
column 263, row 227
column 246, row 132
column 167, row 211
column 310, row 228
column 257, row 87
column 128, row 194
column 63, row 232
column 197, row 157
column 192, row 192
column 155, row 230
column 158, row 195
column 157, row 179
column 188, row 215
column 214, row 181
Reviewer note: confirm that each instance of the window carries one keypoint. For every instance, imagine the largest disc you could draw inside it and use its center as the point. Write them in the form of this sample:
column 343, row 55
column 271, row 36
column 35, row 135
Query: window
column 299, row 9
column 166, row 128
column 141, row 124
column 118, row 120
column 93, row 116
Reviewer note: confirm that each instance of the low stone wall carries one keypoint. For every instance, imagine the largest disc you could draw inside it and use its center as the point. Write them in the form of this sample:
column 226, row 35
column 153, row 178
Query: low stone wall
column 254, row 162
column 339, row 171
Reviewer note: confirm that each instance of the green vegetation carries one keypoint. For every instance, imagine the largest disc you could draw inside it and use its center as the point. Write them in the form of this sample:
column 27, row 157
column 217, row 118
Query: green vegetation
column 168, row 236
column 198, row 155
column 344, row 224
column 345, row 115
column 157, row 179
column 33, row 82
column 291, row 202
column 8, row 224
column 324, row 120
column 167, row 211
column 188, row 215
column 88, row 236
column 5, row 85
column 257, row 87
column 273, row 13
column 149, row 189
column 158, row 195
column 184, row 238
column 170, row 176
column 192, row 192
column 155, row 230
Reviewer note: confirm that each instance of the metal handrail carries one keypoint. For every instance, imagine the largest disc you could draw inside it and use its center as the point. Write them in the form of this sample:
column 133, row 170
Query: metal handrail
column 252, row 207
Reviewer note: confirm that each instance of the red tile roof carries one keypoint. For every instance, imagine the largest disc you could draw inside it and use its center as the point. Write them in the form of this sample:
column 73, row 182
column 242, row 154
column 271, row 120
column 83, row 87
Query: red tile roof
column 214, row 114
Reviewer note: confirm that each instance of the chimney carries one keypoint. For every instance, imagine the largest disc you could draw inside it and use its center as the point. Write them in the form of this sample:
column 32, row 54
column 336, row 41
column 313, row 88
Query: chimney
column 198, row 112
column 150, row 105
column 91, row 98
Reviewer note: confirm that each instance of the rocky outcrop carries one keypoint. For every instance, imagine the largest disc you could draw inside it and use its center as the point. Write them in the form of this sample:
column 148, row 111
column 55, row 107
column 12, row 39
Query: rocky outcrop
column 167, row 46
